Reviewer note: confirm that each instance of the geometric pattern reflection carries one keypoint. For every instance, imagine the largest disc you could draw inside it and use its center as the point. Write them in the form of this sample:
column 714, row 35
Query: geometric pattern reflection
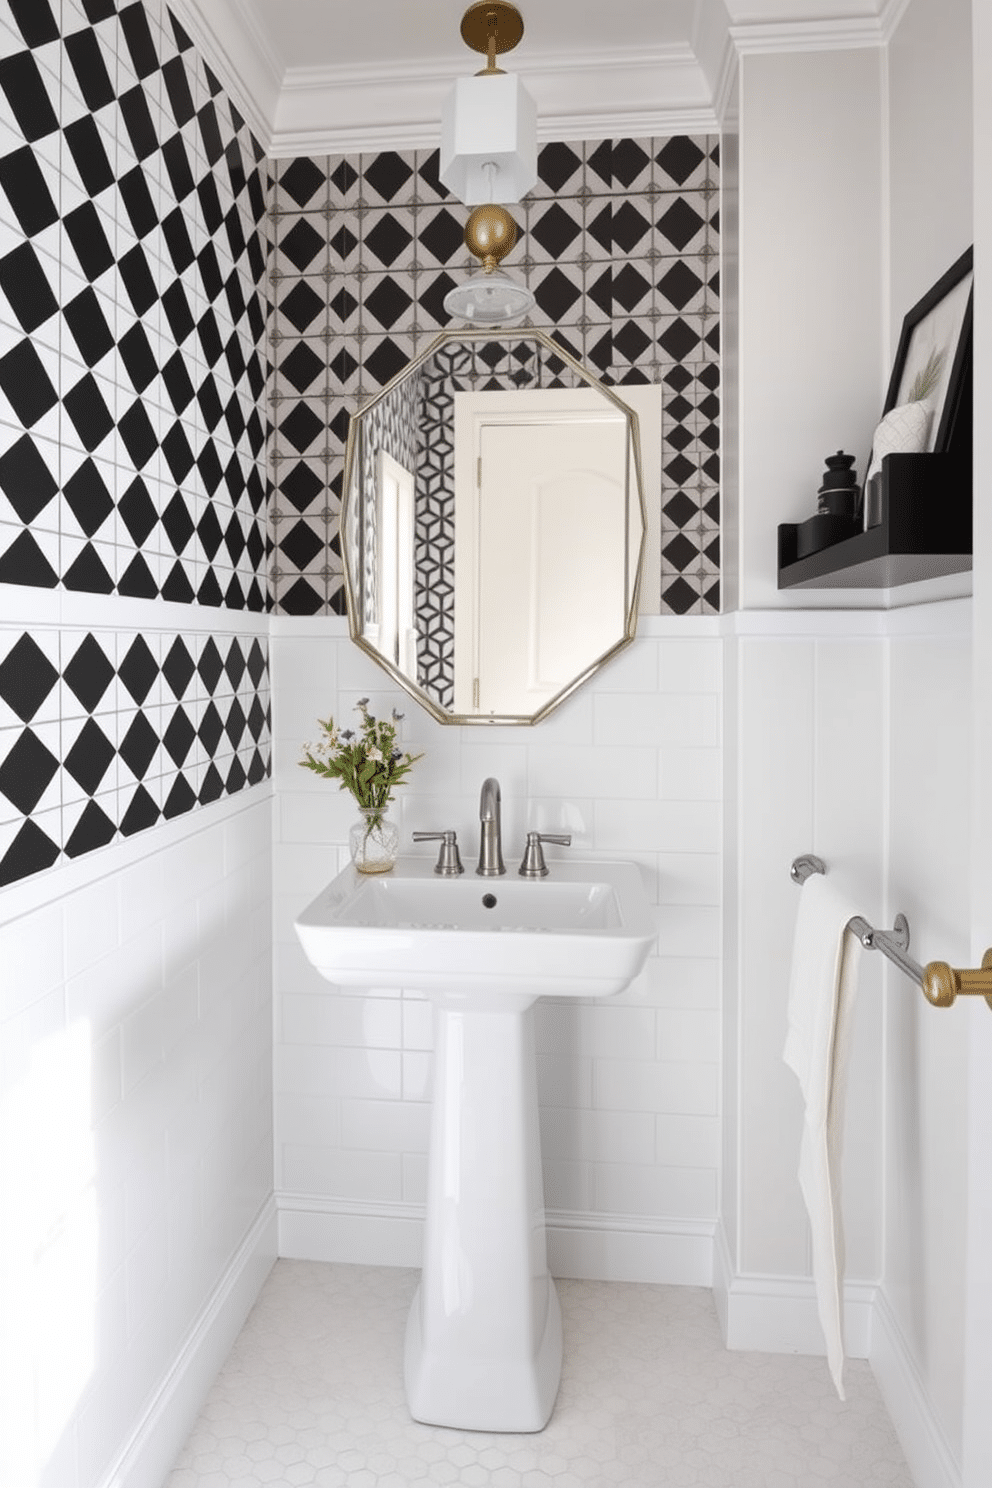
column 512, row 363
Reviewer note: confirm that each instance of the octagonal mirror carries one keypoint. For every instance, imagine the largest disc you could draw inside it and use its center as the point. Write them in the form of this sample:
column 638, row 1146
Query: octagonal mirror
column 493, row 526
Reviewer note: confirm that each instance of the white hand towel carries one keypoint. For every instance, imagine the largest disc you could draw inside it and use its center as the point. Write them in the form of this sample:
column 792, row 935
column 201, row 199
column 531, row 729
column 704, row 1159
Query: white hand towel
column 825, row 960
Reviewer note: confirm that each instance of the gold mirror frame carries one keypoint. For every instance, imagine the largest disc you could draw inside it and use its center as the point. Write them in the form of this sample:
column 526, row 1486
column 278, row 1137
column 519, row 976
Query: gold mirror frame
column 351, row 494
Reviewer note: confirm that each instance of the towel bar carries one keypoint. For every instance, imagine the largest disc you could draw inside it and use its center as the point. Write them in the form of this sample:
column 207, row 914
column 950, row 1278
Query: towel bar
column 940, row 983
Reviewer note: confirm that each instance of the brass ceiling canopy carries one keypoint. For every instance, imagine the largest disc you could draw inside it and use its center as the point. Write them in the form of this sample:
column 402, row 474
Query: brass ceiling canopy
column 492, row 27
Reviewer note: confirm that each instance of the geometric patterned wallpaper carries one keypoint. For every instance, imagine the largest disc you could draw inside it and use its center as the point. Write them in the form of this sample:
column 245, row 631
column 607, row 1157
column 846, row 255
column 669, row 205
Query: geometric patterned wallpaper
column 133, row 279
column 163, row 290
column 619, row 240
column 133, row 367
column 105, row 734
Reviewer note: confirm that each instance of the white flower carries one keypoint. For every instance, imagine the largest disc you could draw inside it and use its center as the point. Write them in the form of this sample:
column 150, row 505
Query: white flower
column 375, row 754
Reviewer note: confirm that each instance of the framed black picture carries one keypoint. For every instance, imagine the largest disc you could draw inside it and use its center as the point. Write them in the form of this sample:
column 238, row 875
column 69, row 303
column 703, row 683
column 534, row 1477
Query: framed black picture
column 930, row 376
column 937, row 334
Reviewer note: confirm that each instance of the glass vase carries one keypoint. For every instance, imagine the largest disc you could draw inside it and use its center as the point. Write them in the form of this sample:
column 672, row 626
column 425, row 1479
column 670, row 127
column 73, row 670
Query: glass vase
column 374, row 840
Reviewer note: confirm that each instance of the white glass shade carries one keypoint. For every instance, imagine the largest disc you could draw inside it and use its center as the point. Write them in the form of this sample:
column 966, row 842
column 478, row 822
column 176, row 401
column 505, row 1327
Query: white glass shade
column 487, row 119
column 489, row 299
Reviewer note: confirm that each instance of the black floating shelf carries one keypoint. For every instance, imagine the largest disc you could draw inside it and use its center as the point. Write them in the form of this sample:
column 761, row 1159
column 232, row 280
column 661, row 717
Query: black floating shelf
column 925, row 531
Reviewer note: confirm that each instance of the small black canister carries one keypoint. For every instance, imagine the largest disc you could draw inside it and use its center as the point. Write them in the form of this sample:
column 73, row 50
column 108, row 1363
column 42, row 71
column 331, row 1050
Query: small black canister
column 838, row 495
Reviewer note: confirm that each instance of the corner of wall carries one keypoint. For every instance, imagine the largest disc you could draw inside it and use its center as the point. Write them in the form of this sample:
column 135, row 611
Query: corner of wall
column 930, row 1458
column 159, row 1435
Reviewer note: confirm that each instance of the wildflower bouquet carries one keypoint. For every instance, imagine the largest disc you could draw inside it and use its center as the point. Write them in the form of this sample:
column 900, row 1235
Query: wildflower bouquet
column 369, row 763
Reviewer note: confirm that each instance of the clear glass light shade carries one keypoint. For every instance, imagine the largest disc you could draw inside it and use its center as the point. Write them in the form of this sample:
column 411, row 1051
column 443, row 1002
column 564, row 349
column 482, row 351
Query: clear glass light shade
column 489, row 120
column 489, row 299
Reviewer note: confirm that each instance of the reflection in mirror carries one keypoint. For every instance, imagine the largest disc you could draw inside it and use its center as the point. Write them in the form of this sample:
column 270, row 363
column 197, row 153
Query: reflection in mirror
column 493, row 526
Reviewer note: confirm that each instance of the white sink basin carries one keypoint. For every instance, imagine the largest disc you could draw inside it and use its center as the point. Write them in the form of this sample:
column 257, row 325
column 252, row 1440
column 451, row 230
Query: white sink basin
column 484, row 1339
column 585, row 931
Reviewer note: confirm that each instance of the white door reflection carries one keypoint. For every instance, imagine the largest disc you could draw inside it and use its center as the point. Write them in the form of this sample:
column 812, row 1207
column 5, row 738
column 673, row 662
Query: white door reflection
column 395, row 633
column 542, row 568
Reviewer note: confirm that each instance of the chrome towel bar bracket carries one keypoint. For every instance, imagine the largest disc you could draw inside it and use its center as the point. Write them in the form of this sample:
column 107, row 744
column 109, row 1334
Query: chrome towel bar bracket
column 804, row 866
column 940, row 983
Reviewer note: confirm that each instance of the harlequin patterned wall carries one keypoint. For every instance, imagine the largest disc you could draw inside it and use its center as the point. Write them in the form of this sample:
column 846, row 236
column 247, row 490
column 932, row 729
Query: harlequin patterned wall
column 132, row 426
column 619, row 242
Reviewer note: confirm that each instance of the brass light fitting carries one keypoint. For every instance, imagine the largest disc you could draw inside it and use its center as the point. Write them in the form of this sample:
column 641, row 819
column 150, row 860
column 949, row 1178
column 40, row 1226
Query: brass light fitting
column 489, row 119
column 489, row 146
column 492, row 27
column 490, row 234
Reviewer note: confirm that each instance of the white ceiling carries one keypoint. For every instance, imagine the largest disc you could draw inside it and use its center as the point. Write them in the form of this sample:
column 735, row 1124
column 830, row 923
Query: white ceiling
column 322, row 33
column 323, row 76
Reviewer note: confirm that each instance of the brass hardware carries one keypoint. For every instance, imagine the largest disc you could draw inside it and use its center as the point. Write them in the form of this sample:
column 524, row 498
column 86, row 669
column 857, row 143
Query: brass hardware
column 490, row 233
column 492, row 27
column 467, row 169
column 942, row 983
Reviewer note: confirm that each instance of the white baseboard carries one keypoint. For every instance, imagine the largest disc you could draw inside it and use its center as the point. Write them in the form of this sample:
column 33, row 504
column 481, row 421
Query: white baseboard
column 167, row 1420
column 315, row 1229
column 620, row 1247
column 723, row 1272
column 592, row 1247
column 777, row 1314
column 930, row 1459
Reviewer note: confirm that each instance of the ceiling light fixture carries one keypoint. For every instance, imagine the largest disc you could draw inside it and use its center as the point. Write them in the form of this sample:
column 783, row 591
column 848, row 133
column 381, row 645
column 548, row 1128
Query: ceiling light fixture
column 489, row 119
column 489, row 149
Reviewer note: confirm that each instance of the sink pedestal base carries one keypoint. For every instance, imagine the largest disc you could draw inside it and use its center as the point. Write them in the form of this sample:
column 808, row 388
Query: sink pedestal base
column 483, row 1341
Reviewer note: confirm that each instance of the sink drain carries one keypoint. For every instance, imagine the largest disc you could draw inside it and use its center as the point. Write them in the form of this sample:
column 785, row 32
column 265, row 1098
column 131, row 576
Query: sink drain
column 489, row 901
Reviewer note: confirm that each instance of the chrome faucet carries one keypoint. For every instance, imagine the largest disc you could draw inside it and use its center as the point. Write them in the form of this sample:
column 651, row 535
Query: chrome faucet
column 490, row 836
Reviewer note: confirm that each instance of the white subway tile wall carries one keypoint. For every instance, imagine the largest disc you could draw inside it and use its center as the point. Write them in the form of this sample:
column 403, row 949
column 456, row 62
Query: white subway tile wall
column 629, row 1087
column 136, row 1029
column 811, row 780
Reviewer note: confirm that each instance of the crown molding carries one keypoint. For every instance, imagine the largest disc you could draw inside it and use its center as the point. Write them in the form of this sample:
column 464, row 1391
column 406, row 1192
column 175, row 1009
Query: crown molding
column 840, row 35
column 892, row 13
column 604, row 124
column 235, row 46
column 712, row 44
column 340, row 110
column 725, row 99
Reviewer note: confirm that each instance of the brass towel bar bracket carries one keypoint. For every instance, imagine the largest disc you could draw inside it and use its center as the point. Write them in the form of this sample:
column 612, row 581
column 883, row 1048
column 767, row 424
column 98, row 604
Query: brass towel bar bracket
column 940, row 983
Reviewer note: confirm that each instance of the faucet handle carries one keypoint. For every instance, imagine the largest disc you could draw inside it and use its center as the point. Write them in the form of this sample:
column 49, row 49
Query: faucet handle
column 449, row 863
column 533, row 865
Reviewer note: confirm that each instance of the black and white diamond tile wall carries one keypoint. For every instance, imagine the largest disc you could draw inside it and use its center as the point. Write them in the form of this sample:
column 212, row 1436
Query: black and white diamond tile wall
column 133, row 462
column 104, row 734
column 619, row 241
column 132, row 311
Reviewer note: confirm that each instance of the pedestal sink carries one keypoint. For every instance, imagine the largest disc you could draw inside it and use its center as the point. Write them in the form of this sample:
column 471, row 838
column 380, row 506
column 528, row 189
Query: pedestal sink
column 483, row 1343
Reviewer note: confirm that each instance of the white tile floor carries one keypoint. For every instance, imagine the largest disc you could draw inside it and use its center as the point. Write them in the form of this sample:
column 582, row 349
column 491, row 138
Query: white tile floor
column 313, row 1394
